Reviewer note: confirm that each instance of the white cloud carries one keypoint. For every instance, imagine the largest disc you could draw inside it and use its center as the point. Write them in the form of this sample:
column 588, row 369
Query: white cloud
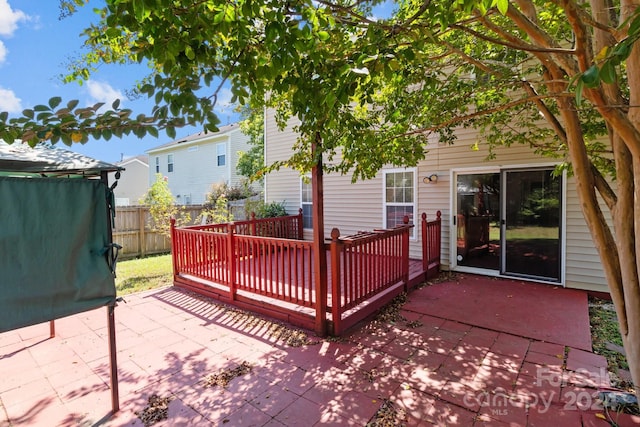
column 3, row 52
column 223, row 103
column 10, row 18
column 103, row 92
column 9, row 101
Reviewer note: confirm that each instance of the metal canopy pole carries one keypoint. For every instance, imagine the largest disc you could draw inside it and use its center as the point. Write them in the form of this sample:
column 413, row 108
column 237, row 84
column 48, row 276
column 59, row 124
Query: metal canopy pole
column 111, row 321
column 113, row 365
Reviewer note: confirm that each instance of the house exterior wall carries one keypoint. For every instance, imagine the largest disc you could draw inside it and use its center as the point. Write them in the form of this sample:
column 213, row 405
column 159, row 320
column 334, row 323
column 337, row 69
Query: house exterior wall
column 359, row 206
column 133, row 183
column 195, row 165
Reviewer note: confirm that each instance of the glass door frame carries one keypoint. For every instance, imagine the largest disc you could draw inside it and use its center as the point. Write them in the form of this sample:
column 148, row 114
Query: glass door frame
column 453, row 201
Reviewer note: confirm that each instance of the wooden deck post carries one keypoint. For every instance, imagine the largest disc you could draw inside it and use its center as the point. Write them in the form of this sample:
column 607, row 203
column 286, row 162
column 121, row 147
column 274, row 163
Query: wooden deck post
column 174, row 245
column 336, row 285
column 438, row 241
column 405, row 253
column 425, row 244
column 231, row 260
column 319, row 252
column 300, row 225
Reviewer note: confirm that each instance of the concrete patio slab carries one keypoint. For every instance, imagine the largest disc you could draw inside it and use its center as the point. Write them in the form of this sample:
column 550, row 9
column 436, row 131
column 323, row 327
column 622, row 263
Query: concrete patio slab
column 532, row 310
column 433, row 363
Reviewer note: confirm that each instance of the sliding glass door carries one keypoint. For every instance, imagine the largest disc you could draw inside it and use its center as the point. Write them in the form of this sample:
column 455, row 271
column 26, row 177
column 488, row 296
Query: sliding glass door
column 532, row 218
column 478, row 220
column 509, row 221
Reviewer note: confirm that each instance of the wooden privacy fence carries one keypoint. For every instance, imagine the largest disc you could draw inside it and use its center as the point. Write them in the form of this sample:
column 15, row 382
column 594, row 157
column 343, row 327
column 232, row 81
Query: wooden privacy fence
column 234, row 263
column 132, row 231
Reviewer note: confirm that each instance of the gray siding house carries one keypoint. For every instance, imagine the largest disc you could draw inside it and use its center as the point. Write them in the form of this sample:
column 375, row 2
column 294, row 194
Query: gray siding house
column 134, row 181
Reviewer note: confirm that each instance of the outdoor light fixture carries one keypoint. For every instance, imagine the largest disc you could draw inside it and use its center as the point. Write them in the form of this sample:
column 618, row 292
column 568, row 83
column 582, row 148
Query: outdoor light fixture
column 431, row 179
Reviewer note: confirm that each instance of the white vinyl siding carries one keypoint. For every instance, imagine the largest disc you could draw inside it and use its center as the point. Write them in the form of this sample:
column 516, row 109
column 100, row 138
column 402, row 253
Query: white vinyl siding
column 352, row 207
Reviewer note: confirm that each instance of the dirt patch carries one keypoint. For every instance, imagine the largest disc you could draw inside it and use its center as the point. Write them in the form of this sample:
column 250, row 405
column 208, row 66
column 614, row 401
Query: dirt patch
column 606, row 340
column 388, row 416
column 225, row 376
column 157, row 410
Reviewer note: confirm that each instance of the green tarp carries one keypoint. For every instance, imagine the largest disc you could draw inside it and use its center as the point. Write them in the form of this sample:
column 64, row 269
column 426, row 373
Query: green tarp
column 53, row 236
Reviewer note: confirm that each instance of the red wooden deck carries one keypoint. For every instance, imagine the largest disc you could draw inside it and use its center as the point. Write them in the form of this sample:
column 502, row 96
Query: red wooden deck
column 300, row 314
column 276, row 277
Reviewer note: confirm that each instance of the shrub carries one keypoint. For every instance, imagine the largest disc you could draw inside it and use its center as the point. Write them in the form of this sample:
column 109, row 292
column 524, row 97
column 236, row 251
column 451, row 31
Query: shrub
column 240, row 192
column 162, row 207
column 266, row 210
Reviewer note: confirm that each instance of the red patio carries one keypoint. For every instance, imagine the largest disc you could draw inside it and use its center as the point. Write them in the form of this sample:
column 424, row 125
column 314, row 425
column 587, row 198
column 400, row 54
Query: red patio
column 264, row 265
column 429, row 366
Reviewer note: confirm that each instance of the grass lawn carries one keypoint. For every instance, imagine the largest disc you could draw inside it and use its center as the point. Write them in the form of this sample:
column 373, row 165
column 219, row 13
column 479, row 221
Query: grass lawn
column 142, row 274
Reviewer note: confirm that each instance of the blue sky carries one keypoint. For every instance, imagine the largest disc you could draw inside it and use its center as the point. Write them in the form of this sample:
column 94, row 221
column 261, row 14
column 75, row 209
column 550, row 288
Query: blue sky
column 35, row 45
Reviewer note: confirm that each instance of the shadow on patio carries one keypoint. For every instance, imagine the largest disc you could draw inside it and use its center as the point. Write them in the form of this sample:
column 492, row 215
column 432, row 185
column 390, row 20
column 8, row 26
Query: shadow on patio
column 434, row 360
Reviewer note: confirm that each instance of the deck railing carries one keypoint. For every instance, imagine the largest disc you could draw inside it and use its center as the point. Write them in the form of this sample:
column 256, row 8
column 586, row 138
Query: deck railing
column 286, row 227
column 365, row 270
column 363, row 266
column 431, row 241
column 275, row 268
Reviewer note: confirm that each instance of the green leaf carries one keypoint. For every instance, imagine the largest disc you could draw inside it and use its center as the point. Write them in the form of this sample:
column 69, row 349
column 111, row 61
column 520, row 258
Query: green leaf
column 189, row 53
column 171, row 132
column 54, row 102
column 41, row 107
column 591, row 77
column 323, row 35
column 28, row 113
column 579, row 89
column 635, row 26
column 622, row 50
column 115, row 104
column 72, row 104
column 503, row 6
column 608, row 72
column 139, row 9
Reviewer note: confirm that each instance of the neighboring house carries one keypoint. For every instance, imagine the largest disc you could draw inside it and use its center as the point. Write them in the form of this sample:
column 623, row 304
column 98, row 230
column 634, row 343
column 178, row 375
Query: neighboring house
column 192, row 165
column 134, row 180
column 504, row 217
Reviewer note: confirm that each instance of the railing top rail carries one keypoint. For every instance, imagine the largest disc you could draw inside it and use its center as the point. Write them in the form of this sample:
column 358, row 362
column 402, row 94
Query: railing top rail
column 283, row 240
column 241, row 223
column 198, row 231
column 377, row 234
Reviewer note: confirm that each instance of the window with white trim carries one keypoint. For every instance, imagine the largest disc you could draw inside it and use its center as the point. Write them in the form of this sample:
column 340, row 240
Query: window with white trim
column 399, row 200
column 170, row 163
column 157, row 164
column 221, row 153
column 306, row 202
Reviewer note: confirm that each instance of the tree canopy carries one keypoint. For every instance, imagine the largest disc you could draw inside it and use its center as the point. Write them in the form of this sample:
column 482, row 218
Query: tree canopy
column 367, row 91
